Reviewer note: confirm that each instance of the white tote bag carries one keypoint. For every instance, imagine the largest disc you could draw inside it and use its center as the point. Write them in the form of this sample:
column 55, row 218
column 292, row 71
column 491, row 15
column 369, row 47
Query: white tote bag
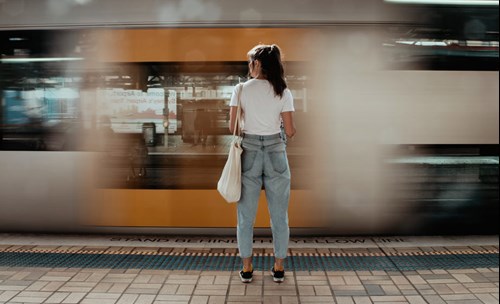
column 229, row 185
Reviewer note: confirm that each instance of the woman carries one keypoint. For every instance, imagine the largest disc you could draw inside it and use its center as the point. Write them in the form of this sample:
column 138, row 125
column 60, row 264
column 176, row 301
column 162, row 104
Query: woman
column 265, row 102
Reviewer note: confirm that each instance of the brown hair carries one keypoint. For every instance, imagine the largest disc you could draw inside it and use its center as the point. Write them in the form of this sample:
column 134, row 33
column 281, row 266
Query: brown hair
column 272, row 67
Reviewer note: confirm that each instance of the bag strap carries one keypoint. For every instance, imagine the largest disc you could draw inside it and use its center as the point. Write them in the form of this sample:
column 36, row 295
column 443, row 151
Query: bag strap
column 237, row 122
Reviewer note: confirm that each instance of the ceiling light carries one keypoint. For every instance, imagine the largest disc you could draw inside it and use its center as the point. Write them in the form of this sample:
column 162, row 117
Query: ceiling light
column 25, row 60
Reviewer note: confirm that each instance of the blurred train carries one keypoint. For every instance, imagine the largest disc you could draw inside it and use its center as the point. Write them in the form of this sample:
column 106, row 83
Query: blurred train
column 114, row 114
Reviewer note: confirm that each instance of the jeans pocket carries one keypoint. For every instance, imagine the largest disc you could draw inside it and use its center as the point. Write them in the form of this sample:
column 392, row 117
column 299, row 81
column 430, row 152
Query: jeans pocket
column 279, row 161
column 247, row 160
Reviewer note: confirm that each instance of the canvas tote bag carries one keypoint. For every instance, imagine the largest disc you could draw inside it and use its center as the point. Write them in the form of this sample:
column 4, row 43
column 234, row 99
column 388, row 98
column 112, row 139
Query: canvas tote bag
column 229, row 185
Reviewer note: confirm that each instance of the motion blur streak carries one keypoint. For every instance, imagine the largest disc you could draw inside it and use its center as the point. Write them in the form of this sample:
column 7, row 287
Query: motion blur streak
column 365, row 109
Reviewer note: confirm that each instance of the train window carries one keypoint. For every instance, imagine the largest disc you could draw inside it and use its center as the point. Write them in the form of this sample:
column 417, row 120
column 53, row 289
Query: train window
column 186, row 100
column 170, row 128
column 152, row 123
column 445, row 38
column 37, row 118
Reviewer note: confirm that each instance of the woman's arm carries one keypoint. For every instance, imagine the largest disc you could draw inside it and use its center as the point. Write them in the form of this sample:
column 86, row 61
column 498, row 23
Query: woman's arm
column 232, row 118
column 289, row 124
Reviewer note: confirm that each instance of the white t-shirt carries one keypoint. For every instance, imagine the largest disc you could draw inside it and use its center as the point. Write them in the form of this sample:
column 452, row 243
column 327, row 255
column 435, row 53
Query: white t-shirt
column 261, row 108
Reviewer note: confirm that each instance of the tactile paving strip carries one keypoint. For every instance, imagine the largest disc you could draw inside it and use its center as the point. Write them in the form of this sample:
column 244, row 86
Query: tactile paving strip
column 297, row 261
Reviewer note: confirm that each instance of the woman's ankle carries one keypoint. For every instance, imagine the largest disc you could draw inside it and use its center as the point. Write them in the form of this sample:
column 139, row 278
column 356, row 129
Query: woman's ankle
column 247, row 268
column 279, row 265
column 247, row 265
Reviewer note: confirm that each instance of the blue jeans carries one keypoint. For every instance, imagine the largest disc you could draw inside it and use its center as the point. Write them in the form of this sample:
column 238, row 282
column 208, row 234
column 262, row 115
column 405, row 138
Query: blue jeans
column 264, row 161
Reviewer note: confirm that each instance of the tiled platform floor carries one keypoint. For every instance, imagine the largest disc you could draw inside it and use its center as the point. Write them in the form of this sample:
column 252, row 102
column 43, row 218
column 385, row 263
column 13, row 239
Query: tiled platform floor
column 458, row 283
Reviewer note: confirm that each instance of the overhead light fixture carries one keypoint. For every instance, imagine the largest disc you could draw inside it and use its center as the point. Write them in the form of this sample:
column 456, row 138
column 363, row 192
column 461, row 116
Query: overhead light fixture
column 448, row 2
column 25, row 60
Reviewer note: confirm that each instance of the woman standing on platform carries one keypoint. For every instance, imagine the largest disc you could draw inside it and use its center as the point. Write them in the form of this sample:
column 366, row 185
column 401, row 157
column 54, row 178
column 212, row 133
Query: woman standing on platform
column 265, row 102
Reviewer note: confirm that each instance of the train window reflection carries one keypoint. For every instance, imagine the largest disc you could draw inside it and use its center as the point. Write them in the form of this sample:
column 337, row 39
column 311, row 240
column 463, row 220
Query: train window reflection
column 170, row 131
column 39, row 119
column 187, row 104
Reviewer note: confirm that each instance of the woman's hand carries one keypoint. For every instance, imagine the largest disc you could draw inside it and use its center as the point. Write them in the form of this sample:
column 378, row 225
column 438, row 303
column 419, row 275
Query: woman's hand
column 289, row 124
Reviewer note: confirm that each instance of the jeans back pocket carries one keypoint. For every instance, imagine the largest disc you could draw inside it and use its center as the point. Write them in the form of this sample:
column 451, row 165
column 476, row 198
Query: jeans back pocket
column 278, row 161
column 247, row 160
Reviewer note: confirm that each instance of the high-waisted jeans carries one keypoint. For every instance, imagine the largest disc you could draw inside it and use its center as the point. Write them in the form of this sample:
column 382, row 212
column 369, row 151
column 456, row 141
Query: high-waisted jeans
column 264, row 162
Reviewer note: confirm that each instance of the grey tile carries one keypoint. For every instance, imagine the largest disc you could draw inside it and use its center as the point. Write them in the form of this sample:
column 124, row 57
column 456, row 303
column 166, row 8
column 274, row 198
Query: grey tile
column 374, row 290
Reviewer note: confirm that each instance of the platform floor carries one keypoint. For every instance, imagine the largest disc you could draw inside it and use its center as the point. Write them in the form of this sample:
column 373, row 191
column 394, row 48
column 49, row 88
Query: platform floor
column 122, row 269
